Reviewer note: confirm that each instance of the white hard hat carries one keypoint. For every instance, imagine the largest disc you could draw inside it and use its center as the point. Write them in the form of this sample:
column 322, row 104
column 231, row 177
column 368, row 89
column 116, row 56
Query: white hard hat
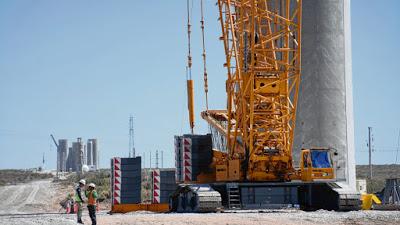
column 82, row 182
column 92, row 185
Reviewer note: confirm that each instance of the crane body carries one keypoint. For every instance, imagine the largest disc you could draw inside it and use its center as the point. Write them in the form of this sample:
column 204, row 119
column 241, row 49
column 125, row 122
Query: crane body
column 253, row 137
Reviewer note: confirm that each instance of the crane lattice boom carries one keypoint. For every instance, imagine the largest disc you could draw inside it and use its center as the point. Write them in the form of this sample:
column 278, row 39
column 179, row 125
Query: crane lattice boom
column 262, row 41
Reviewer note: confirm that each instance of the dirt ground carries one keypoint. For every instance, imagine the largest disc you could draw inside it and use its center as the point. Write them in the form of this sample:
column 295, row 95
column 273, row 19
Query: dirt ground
column 37, row 203
column 276, row 217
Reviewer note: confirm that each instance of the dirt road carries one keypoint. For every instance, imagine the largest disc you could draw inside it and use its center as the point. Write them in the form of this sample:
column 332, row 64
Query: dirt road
column 37, row 203
column 26, row 197
column 30, row 204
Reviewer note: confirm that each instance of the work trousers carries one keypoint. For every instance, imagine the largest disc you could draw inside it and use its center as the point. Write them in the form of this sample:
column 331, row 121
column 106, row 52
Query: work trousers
column 92, row 213
column 79, row 211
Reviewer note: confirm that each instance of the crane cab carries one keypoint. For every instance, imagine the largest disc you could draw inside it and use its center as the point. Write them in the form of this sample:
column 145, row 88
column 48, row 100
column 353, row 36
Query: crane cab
column 316, row 164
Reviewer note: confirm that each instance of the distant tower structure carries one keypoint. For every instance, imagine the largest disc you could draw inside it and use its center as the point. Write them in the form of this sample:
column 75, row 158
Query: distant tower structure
column 63, row 152
column 89, row 152
column 80, row 154
column 69, row 159
column 73, row 156
column 84, row 155
column 131, row 138
column 77, row 157
column 95, row 153
column 59, row 154
column 156, row 159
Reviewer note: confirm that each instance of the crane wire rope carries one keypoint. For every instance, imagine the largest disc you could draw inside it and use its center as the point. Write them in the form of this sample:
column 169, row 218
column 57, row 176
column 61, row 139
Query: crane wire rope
column 189, row 57
column 189, row 81
column 204, row 54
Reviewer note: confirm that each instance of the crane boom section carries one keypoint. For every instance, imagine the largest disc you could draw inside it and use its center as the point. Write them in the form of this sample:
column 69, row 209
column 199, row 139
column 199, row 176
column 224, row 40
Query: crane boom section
column 54, row 140
column 262, row 41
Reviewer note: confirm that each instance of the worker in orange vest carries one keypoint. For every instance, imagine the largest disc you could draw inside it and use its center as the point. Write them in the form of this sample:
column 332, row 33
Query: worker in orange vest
column 91, row 195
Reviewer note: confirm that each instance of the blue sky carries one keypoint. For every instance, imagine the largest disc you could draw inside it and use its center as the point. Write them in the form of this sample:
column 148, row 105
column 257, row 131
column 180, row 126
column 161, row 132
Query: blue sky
column 80, row 68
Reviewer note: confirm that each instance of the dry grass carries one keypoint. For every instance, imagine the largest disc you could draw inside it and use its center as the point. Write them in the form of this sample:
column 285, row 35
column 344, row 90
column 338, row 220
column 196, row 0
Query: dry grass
column 100, row 178
column 21, row 176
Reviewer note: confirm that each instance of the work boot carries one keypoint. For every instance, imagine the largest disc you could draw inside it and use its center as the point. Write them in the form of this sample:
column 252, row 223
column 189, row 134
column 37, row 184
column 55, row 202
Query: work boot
column 80, row 222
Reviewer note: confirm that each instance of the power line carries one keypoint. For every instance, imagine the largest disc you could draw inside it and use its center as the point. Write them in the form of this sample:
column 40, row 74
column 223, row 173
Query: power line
column 379, row 150
column 204, row 54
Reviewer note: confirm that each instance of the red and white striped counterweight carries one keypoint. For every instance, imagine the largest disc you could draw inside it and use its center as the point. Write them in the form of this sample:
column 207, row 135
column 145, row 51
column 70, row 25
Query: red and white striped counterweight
column 156, row 186
column 187, row 159
column 117, row 181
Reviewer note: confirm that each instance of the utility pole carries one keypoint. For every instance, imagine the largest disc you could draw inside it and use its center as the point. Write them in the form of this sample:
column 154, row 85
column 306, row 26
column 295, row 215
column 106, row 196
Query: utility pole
column 43, row 162
column 370, row 151
column 131, row 138
column 156, row 159
column 162, row 159
column 150, row 160
column 398, row 147
column 144, row 160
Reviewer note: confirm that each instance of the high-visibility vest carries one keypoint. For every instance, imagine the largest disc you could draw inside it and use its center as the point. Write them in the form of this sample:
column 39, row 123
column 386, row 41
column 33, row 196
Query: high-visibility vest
column 77, row 199
column 91, row 199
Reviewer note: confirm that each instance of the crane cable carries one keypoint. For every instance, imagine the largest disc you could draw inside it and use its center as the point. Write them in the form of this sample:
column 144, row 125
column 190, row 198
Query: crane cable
column 189, row 81
column 204, row 54
column 189, row 63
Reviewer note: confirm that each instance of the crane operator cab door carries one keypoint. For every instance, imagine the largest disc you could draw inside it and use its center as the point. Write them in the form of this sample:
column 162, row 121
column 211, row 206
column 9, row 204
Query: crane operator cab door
column 316, row 164
column 305, row 165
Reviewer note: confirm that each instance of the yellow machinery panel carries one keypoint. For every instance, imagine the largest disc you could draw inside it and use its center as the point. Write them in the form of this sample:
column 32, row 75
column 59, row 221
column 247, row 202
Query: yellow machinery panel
column 221, row 173
column 124, row 208
column 267, row 85
column 234, row 169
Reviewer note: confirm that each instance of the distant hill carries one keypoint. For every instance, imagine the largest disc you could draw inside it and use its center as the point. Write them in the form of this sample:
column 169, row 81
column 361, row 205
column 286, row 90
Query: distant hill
column 20, row 176
column 379, row 174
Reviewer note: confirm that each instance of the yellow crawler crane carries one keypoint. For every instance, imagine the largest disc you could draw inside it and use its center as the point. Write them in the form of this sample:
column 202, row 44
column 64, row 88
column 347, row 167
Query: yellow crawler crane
column 263, row 57
column 250, row 162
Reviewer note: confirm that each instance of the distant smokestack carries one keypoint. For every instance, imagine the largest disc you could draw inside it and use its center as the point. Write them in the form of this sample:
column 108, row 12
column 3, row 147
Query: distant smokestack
column 63, row 152
column 95, row 153
column 89, row 151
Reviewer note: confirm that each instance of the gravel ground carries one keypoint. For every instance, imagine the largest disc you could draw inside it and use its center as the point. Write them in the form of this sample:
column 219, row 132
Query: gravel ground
column 279, row 217
column 37, row 203
column 276, row 217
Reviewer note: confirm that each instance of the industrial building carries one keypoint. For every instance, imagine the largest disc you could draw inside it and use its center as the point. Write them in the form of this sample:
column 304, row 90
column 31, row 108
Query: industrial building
column 62, row 153
column 74, row 158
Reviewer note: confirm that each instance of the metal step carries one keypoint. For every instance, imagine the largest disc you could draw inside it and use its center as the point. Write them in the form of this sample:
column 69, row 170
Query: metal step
column 233, row 196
